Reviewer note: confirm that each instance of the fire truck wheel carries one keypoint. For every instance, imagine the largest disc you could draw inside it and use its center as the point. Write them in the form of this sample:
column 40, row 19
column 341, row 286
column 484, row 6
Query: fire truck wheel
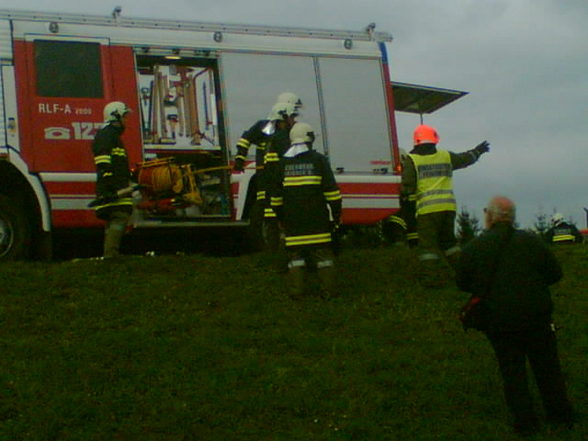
column 15, row 231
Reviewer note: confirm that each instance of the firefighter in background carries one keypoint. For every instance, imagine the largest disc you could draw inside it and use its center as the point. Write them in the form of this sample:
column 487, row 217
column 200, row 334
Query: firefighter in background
column 400, row 228
column 302, row 193
column 260, row 134
column 562, row 231
column 283, row 115
column 408, row 207
column 428, row 176
column 112, row 176
column 274, row 130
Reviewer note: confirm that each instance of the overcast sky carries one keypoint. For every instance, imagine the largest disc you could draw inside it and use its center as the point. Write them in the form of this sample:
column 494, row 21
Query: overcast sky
column 523, row 62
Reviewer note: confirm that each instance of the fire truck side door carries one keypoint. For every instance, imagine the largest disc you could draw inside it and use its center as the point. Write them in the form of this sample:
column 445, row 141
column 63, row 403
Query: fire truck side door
column 66, row 82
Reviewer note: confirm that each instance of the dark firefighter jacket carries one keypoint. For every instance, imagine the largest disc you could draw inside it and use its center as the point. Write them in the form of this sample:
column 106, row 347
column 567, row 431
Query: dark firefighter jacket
column 280, row 143
column 254, row 135
column 276, row 147
column 410, row 175
column 112, row 170
column 517, row 296
column 564, row 232
column 304, row 188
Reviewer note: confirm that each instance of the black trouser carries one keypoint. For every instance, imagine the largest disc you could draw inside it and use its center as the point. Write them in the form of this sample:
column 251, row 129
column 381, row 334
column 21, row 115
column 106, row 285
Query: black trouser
column 539, row 346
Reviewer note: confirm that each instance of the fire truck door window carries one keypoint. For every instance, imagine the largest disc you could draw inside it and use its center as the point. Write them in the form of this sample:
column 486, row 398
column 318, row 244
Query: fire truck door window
column 68, row 69
column 254, row 81
column 356, row 115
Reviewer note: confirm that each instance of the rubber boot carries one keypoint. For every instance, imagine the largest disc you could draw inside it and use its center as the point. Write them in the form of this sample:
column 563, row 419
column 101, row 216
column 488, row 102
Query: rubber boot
column 295, row 279
column 327, row 277
column 113, row 234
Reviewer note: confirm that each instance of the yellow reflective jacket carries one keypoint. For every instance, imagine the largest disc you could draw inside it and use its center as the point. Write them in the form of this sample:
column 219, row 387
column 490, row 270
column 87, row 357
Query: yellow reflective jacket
column 434, row 183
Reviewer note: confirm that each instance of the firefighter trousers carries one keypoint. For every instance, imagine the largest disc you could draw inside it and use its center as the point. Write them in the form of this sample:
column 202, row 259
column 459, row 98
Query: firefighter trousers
column 114, row 231
column 311, row 271
column 437, row 249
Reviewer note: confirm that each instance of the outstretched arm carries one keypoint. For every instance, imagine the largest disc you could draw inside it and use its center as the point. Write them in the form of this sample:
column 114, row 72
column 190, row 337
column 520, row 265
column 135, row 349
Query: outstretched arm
column 465, row 159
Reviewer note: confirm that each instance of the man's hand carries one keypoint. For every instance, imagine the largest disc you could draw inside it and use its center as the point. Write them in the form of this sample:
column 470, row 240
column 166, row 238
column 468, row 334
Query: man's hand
column 239, row 165
column 481, row 148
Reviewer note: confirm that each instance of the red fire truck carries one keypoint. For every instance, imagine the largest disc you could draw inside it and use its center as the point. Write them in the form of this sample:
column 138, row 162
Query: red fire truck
column 194, row 87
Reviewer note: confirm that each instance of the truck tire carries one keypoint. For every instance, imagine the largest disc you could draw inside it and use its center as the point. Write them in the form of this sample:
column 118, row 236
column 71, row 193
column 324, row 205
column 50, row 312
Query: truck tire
column 15, row 231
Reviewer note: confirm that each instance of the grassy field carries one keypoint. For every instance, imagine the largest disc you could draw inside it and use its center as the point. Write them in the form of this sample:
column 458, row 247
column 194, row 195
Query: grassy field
column 194, row 347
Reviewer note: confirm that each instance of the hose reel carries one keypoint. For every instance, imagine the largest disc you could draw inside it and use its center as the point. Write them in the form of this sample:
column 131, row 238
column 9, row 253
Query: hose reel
column 162, row 178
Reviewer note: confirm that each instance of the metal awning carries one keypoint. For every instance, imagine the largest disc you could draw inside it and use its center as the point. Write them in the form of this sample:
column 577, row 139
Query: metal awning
column 413, row 98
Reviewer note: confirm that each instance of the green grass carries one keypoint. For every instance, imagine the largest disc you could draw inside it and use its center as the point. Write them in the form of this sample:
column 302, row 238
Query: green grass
column 179, row 348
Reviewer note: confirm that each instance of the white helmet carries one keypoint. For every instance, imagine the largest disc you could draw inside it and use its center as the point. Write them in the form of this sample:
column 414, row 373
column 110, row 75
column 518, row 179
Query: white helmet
column 557, row 218
column 289, row 97
column 281, row 110
column 115, row 110
column 301, row 132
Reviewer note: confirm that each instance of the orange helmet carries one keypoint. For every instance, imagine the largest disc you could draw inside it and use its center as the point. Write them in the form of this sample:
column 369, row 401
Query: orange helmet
column 425, row 134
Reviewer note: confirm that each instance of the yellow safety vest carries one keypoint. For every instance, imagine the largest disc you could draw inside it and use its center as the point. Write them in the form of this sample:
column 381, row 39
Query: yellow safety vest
column 434, row 185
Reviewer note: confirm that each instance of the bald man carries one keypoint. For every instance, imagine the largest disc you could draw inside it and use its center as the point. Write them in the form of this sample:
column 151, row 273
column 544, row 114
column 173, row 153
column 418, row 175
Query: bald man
column 511, row 270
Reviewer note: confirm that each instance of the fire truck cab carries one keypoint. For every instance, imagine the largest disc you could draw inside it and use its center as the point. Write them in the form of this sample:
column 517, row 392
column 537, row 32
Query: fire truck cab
column 193, row 88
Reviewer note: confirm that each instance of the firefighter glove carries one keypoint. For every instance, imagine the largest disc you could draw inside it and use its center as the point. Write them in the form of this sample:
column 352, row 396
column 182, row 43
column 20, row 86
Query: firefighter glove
column 483, row 147
column 239, row 165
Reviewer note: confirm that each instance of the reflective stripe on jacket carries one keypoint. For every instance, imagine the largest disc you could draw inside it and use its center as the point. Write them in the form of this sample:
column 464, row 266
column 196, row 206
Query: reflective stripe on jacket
column 563, row 234
column 110, row 158
column 302, row 192
column 434, row 184
column 254, row 135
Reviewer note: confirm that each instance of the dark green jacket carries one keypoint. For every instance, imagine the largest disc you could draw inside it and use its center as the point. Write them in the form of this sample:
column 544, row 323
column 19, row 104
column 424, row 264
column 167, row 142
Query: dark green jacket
column 515, row 296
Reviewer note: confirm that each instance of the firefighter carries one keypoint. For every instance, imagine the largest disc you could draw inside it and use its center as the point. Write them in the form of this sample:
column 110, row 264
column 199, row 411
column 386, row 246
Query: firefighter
column 302, row 193
column 394, row 228
column 264, row 133
column 112, row 176
column 428, row 176
column 408, row 209
column 562, row 231
column 400, row 228
column 260, row 134
column 284, row 116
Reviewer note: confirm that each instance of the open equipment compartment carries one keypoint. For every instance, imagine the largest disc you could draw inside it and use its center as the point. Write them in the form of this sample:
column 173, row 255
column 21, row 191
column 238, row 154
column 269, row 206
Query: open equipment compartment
column 185, row 173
